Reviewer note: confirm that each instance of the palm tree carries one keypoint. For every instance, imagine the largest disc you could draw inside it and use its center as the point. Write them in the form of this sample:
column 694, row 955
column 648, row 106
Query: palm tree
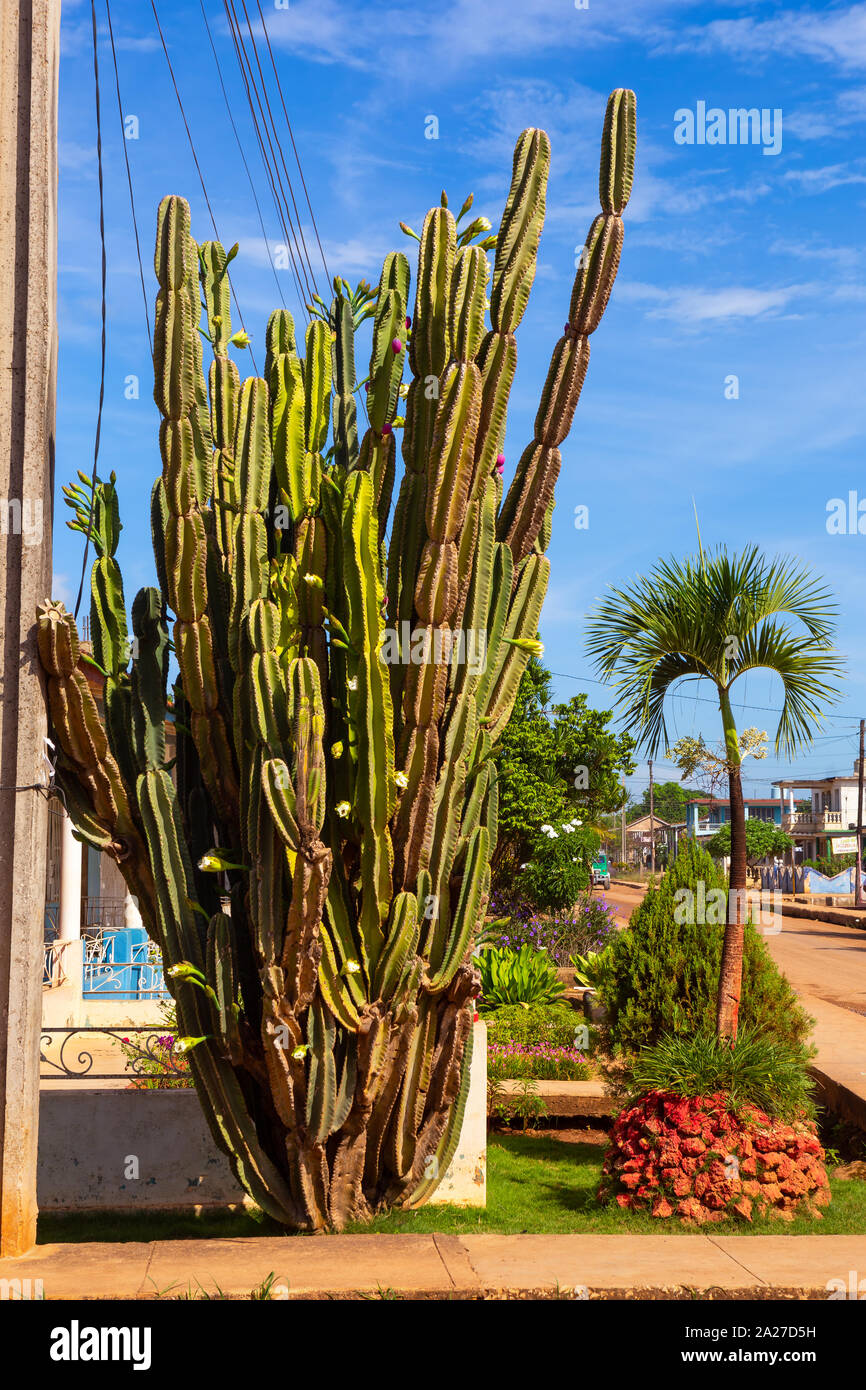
column 715, row 617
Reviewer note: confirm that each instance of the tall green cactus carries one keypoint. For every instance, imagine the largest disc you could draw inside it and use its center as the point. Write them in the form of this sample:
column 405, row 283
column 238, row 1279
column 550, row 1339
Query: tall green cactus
column 308, row 820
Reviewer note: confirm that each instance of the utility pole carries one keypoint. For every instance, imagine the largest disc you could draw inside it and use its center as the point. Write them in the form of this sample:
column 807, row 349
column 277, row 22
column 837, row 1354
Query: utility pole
column 858, row 873
column 622, row 826
column 29, row 48
column 652, row 822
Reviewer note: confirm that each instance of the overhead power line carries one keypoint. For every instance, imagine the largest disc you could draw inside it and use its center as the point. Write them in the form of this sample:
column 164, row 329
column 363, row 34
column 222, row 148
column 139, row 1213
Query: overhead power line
column 242, row 154
column 124, row 143
column 306, row 262
column 102, row 243
column 704, row 699
column 294, row 146
column 269, row 165
column 196, row 162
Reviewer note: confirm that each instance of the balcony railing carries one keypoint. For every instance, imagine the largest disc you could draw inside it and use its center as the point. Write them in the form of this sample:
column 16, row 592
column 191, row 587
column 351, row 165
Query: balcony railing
column 813, row 822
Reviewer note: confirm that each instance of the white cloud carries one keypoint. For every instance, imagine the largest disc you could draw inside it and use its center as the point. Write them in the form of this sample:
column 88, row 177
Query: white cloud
column 831, row 35
column 822, row 180
column 691, row 305
column 61, row 590
column 810, row 250
column 74, row 158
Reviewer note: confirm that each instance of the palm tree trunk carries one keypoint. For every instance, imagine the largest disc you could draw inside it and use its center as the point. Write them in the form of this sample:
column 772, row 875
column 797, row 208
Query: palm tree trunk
column 731, row 973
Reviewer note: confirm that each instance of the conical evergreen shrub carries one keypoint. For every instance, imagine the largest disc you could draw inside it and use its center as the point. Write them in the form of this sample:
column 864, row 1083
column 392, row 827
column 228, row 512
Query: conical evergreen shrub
column 663, row 974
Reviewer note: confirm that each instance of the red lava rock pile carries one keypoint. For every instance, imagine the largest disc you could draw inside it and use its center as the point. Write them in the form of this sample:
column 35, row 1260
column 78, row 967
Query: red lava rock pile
column 699, row 1160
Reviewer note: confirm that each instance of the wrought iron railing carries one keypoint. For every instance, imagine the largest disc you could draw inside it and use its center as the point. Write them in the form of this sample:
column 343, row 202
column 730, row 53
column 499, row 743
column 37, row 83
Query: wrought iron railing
column 101, row 913
column 150, row 1056
column 138, row 978
column 54, row 969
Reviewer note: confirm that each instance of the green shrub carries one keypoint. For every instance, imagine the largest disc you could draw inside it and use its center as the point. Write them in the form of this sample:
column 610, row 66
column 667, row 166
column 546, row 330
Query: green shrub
column 558, row 870
column 663, row 976
column 553, row 1024
column 832, row 864
column 589, row 970
column 758, row 1070
column 516, row 977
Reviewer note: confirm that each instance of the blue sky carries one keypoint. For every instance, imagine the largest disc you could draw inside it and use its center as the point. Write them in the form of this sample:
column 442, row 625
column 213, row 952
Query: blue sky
column 736, row 263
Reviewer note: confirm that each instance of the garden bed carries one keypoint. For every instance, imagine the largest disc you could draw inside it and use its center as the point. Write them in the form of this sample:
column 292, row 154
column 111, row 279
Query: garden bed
column 536, row 1183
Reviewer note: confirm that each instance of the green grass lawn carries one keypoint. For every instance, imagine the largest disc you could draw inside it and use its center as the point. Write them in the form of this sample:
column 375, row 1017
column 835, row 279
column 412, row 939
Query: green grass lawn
column 535, row 1184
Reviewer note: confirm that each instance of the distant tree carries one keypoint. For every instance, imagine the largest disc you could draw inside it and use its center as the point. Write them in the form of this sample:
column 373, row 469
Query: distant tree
column 763, row 838
column 669, row 801
column 555, row 763
column 718, row 616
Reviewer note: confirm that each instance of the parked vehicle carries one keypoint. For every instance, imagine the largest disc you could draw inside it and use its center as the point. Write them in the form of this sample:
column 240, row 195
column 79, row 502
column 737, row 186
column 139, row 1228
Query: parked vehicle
column 600, row 871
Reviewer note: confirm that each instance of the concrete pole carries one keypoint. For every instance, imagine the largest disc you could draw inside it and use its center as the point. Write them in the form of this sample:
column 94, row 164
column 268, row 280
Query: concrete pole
column 70, row 883
column 29, row 47
column 71, row 961
column 858, row 867
column 652, row 822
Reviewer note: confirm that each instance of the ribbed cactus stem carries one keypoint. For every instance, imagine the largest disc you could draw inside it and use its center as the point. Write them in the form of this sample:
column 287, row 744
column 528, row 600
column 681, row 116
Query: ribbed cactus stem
column 313, row 854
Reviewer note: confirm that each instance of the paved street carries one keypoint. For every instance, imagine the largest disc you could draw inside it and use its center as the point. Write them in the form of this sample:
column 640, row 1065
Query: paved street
column 820, row 959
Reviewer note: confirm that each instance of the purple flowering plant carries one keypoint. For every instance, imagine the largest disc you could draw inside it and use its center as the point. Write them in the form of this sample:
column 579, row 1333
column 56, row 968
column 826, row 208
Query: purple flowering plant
column 584, row 930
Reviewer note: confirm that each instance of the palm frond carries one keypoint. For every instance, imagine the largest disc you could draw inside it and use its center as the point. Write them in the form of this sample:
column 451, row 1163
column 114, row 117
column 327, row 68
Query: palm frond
column 717, row 616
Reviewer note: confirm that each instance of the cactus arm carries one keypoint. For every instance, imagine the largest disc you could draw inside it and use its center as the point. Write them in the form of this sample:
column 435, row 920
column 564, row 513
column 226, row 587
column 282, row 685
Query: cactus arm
column 375, row 789
column 81, row 736
column 178, row 392
column 345, row 412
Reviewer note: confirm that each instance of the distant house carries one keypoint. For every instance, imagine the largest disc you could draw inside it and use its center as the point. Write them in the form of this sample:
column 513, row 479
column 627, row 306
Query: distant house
column 829, row 825
column 705, row 814
column 639, row 836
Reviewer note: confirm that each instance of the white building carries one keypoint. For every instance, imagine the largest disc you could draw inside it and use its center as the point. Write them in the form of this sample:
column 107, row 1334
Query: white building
column 828, row 827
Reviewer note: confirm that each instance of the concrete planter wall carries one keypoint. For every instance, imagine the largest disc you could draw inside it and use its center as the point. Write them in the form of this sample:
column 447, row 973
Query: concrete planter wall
column 91, row 1141
column 125, row 1150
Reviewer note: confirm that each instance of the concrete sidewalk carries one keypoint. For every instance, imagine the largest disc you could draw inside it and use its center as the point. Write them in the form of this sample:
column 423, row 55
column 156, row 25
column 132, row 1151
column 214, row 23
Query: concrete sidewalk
column 449, row 1266
column 837, row 916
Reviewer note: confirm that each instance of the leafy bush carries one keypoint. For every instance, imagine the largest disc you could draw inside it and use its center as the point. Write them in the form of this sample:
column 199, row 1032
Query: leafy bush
column 558, row 870
column 589, row 970
column 831, row 864
column 763, row 840
column 758, row 1070
column 540, row 1062
column 553, row 1025
column 587, row 928
column 516, row 977
column 512, row 903
column 663, row 976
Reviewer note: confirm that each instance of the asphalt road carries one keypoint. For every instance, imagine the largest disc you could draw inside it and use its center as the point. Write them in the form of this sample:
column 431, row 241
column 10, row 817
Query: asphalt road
column 821, row 960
